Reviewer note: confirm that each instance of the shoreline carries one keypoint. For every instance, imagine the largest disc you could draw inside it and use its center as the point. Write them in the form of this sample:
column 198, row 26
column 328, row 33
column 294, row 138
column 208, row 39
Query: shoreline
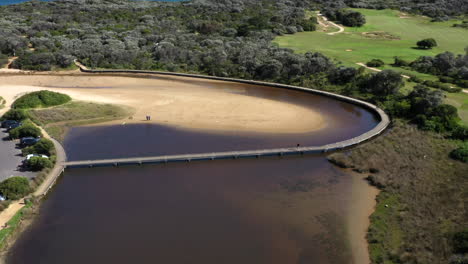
column 362, row 206
column 40, row 192
column 177, row 102
column 50, row 180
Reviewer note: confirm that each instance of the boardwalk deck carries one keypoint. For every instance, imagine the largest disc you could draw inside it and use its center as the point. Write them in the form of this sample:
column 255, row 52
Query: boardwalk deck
column 379, row 128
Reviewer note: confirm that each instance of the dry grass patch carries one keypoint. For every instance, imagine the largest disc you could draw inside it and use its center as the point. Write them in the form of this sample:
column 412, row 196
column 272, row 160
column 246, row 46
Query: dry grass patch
column 423, row 193
column 57, row 120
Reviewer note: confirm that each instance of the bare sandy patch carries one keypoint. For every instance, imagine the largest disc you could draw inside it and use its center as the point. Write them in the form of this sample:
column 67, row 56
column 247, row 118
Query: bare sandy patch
column 176, row 101
column 362, row 204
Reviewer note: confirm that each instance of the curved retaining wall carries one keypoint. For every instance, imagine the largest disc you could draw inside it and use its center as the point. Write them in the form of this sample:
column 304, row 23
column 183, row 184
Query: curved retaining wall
column 378, row 129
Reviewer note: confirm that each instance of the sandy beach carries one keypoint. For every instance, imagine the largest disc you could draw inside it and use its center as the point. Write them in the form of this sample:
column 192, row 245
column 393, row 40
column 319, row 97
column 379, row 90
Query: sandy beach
column 175, row 101
column 361, row 205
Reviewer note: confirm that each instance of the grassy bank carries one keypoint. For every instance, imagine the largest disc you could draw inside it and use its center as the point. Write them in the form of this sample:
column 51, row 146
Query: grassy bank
column 460, row 101
column 57, row 120
column 420, row 206
column 12, row 225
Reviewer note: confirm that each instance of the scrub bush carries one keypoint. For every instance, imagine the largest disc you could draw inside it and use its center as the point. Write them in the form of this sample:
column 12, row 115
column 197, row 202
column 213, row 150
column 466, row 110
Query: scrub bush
column 15, row 114
column 26, row 130
column 44, row 146
column 15, row 188
column 39, row 163
column 41, row 99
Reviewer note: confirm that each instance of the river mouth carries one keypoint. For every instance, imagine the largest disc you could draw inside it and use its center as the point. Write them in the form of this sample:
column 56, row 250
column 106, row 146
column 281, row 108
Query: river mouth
column 268, row 210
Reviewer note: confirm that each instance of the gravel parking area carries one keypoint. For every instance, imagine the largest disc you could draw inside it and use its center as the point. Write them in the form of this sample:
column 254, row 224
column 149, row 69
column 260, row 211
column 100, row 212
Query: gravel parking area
column 11, row 159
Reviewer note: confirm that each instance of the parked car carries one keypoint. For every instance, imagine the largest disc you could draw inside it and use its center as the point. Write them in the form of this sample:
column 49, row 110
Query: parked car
column 7, row 123
column 28, row 141
column 14, row 125
column 29, row 156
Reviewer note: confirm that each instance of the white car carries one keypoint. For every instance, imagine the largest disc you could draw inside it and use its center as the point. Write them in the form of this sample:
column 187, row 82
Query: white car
column 35, row 155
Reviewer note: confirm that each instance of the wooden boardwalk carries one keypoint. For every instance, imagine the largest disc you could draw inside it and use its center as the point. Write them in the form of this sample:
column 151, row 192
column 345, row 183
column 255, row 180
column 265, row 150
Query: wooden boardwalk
column 222, row 155
column 193, row 157
column 384, row 121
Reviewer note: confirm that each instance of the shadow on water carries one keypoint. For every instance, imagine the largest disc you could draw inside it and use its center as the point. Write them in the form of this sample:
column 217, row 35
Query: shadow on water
column 272, row 210
column 253, row 211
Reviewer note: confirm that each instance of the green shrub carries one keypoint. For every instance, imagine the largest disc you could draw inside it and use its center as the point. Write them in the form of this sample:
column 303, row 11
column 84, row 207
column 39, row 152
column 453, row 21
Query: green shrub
column 462, row 83
column 399, row 62
column 460, row 242
column 427, row 43
column 375, row 63
column 446, row 79
column 460, row 132
column 415, row 79
column 26, row 130
column 41, row 99
column 44, row 146
column 15, row 114
column 38, row 163
column 460, row 153
column 309, row 24
column 15, row 188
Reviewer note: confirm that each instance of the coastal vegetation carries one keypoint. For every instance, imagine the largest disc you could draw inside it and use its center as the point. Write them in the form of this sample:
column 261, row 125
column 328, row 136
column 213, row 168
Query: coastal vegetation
column 460, row 153
column 39, row 163
column 15, row 114
column 15, row 188
column 13, row 224
column 411, row 167
column 448, row 67
column 57, row 120
column 44, row 146
column 2, row 102
column 40, row 99
column 346, row 17
column 27, row 129
column 411, row 164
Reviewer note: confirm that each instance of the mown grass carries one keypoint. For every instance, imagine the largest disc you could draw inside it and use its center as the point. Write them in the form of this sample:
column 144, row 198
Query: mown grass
column 57, row 120
column 407, row 30
column 460, row 101
column 421, row 202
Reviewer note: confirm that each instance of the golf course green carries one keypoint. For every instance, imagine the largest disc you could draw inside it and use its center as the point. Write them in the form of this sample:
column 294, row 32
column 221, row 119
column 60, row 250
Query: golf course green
column 387, row 33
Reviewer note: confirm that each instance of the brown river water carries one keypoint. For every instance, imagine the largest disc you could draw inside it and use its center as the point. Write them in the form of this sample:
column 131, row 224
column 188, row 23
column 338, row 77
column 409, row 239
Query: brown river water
column 268, row 210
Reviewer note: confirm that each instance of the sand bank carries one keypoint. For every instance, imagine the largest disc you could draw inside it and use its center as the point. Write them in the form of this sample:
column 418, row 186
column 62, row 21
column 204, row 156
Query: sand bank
column 361, row 205
column 176, row 101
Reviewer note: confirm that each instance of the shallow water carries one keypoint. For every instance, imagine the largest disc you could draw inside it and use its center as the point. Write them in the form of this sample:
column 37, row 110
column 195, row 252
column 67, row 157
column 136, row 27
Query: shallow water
column 272, row 210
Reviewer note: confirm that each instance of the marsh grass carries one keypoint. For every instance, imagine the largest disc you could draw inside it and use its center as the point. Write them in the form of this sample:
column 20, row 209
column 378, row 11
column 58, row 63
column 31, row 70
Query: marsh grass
column 57, row 120
column 420, row 205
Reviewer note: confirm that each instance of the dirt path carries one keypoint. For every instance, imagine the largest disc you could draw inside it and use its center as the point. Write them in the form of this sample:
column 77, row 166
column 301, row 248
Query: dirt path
column 465, row 90
column 326, row 21
column 8, row 213
column 6, row 68
column 377, row 70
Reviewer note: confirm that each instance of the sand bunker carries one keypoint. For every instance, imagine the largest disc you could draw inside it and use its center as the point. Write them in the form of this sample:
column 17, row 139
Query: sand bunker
column 175, row 101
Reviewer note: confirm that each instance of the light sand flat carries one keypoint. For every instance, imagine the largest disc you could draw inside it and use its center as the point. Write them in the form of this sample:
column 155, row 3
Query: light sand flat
column 175, row 101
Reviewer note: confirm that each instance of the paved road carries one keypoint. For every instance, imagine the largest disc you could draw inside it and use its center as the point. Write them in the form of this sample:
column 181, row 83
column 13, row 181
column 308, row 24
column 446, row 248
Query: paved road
column 10, row 159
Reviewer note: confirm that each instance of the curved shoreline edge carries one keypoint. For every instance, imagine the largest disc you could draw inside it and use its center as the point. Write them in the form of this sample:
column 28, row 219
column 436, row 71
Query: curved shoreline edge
column 377, row 130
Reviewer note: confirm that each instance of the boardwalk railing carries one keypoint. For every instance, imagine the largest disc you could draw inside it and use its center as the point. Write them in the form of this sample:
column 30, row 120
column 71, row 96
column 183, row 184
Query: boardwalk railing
column 379, row 128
